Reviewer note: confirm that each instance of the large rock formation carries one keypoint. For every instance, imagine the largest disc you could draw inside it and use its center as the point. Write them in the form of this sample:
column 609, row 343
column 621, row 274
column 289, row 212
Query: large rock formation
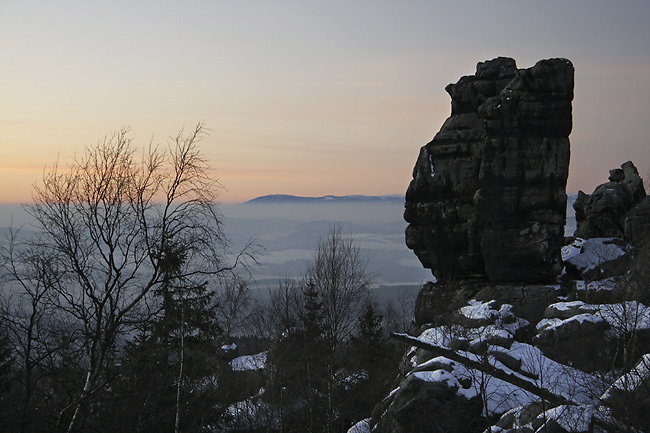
column 487, row 209
column 487, row 199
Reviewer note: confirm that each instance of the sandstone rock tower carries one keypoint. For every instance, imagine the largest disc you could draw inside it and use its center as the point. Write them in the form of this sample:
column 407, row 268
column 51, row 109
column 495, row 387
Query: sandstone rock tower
column 487, row 199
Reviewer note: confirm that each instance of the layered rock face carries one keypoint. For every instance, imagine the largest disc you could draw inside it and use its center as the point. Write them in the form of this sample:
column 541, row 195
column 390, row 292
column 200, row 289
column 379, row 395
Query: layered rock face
column 487, row 199
column 618, row 208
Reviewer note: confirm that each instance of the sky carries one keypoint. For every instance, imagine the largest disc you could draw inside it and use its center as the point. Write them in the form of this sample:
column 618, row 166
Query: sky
column 304, row 97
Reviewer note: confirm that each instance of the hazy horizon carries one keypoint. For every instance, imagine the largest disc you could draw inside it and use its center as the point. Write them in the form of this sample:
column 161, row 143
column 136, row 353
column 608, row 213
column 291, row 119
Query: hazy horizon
column 289, row 234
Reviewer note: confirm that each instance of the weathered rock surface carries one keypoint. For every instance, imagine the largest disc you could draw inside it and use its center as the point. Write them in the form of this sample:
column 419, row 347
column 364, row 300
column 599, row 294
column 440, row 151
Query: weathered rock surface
column 487, row 199
column 436, row 301
column 421, row 405
column 486, row 211
column 632, row 386
column 576, row 341
column 600, row 258
column 618, row 208
column 636, row 224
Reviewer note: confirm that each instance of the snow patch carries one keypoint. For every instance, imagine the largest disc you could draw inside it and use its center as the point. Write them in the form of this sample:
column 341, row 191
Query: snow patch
column 595, row 251
column 249, row 362
column 606, row 284
column 555, row 323
column 625, row 317
column 362, row 426
column 573, row 249
column 477, row 310
column 439, row 336
column 632, row 380
column 438, row 376
column 571, row 418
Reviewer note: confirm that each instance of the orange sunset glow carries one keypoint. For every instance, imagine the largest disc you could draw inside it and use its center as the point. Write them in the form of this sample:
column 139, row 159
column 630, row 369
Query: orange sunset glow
column 303, row 98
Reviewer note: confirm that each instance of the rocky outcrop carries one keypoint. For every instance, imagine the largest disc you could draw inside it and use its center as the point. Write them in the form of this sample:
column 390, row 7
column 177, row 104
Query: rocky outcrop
column 573, row 334
column 421, row 404
column 436, row 301
column 487, row 199
column 618, row 208
column 598, row 258
column 486, row 211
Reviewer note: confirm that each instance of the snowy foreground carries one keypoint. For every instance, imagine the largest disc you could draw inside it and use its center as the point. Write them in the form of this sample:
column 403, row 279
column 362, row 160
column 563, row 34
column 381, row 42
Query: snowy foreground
column 492, row 341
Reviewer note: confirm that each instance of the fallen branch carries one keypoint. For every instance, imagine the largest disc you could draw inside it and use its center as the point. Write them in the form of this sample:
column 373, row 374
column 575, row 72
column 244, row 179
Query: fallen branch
column 486, row 368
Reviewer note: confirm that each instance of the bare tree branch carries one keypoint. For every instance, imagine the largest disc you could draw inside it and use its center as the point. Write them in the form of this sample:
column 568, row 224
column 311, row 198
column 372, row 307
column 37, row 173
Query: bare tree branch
column 107, row 223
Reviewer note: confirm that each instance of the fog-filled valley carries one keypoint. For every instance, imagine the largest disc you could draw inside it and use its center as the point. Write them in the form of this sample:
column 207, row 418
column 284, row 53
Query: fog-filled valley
column 288, row 228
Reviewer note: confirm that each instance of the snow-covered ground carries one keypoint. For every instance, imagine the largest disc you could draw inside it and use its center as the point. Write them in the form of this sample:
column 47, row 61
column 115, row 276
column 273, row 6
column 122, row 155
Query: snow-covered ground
column 249, row 362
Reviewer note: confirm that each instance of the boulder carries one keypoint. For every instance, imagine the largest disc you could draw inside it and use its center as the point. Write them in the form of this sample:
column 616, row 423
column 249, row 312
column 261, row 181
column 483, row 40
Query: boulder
column 635, row 284
column 618, row 208
column 436, row 302
column 600, row 258
column 566, row 310
column 636, row 224
column 577, row 340
column 604, row 291
column 421, row 405
column 487, row 199
column 528, row 300
column 629, row 396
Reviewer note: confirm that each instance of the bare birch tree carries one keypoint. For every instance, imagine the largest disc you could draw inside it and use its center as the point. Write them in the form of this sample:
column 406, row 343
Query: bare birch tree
column 339, row 274
column 109, row 222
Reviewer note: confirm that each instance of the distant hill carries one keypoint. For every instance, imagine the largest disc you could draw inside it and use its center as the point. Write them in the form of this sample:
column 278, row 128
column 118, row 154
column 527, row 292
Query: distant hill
column 285, row 198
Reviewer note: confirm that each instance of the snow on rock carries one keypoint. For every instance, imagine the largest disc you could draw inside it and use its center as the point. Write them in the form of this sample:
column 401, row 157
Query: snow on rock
column 491, row 335
column 625, row 317
column 556, row 377
column 437, row 363
column 622, row 317
column 606, row 284
column 504, row 356
column 631, row 381
column 439, row 336
column 485, row 320
column 362, row 426
column 522, row 360
column 549, row 324
column 228, row 351
column 575, row 419
column 479, row 313
column 228, row 347
column 596, row 251
column 600, row 291
column 565, row 310
column 555, row 323
column 549, row 331
column 573, row 249
column 249, row 362
column 442, row 376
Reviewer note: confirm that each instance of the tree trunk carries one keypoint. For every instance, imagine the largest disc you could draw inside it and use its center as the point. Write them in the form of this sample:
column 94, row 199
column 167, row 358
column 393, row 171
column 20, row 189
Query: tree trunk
column 177, row 425
column 84, row 393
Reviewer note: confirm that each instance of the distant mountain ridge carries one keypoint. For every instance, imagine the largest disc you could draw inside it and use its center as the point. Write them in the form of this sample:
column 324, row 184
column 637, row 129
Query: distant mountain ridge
column 286, row 198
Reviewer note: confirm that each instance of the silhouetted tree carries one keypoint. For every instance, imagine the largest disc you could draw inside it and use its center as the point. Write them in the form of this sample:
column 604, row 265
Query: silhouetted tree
column 107, row 223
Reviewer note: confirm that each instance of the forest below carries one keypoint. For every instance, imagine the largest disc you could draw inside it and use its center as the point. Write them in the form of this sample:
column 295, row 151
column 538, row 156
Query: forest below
column 128, row 309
